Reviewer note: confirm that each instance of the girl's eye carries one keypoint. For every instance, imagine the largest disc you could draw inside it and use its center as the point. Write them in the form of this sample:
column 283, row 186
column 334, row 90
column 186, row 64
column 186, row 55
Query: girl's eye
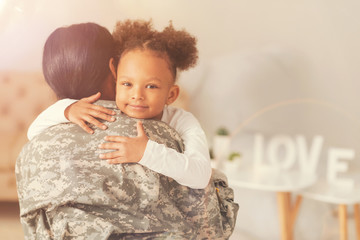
column 151, row 86
column 127, row 84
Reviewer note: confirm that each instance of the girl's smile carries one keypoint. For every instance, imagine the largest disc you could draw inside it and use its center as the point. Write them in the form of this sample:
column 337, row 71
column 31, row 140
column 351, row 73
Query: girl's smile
column 145, row 84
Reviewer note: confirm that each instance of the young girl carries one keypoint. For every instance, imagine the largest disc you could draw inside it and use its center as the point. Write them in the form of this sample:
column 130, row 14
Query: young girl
column 146, row 68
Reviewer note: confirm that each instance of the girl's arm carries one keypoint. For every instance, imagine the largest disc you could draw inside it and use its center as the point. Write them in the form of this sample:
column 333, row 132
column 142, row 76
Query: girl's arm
column 70, row 110
column 51, row 116
column 191, row 168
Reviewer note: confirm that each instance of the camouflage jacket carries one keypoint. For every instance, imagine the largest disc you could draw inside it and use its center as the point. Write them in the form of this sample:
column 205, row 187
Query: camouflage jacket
column 67, row 192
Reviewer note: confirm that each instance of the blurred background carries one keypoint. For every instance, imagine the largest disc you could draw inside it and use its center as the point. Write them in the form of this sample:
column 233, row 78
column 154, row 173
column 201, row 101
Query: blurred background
column 270, row 67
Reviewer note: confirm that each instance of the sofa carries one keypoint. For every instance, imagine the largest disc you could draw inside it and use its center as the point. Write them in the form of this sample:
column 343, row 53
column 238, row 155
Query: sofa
column 23, row 95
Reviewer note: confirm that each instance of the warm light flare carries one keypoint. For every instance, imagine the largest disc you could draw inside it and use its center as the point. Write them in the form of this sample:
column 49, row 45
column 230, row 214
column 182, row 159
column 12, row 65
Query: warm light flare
column 2, row 5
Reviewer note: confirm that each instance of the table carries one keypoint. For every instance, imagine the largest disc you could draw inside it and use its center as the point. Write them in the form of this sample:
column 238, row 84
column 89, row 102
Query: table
column 325, row 192
column 283, row 182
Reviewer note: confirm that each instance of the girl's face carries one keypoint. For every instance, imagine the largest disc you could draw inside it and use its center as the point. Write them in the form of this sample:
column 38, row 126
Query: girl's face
column 144, row 84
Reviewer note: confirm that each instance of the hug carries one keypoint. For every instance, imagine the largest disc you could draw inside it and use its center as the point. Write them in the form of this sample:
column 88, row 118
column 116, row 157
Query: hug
column 112, row 159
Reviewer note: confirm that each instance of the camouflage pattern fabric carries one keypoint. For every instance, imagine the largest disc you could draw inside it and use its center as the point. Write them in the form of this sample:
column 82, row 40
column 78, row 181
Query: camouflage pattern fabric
column 67, row 192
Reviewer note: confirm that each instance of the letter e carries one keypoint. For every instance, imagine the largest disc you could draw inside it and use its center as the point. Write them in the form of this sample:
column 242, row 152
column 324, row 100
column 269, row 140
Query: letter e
column 335, row 166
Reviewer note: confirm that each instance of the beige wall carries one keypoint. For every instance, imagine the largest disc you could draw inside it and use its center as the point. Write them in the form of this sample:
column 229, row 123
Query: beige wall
column 253, row 53
column 318, row 41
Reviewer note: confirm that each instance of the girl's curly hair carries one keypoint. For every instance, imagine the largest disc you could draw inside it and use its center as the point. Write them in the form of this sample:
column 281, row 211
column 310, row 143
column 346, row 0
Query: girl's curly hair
column 178, row 45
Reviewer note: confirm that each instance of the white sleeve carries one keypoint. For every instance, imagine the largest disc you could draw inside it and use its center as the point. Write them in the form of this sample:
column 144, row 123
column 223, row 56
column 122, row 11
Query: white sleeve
column 49, row 117
column 191, row 168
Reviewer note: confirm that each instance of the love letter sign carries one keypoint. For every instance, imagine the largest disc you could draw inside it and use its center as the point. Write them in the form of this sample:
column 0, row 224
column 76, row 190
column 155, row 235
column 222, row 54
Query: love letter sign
column 283, row 151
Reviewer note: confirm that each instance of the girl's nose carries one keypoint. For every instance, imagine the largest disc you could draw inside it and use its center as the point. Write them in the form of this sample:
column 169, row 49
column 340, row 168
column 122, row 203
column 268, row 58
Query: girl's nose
column 137, row 94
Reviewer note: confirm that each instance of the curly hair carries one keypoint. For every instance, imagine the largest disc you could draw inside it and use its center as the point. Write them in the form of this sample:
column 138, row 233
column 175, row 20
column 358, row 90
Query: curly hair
column 176, row 45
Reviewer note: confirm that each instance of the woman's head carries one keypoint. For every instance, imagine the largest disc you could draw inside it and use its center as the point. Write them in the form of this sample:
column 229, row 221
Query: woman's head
column 76, row 60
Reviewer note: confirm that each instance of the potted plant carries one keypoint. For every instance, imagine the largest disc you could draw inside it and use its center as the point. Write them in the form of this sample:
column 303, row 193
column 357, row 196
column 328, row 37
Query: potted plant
column 221, row 145
column 233, row 162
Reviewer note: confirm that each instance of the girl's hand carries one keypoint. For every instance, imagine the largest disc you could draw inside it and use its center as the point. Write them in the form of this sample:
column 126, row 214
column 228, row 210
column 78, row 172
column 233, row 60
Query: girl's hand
column 128, row 149
column 83, row 111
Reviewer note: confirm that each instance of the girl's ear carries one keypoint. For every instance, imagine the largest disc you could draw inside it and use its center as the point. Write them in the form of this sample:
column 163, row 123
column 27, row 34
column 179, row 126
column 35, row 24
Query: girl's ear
column 173, row 94
column 112, row 67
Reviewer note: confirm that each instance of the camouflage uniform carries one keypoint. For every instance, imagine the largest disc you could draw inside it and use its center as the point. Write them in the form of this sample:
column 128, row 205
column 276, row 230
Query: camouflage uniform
column 67, row 192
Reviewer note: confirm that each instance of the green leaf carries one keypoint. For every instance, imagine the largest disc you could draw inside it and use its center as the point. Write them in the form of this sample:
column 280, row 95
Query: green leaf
column 222, row 131
column 234, row 155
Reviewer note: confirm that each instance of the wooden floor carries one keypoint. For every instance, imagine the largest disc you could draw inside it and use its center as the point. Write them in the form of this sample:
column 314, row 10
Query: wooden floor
column 10, row 227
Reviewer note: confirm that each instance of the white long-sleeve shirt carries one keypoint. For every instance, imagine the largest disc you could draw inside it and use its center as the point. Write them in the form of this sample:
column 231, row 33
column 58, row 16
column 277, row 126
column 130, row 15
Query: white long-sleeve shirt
column 191, row 168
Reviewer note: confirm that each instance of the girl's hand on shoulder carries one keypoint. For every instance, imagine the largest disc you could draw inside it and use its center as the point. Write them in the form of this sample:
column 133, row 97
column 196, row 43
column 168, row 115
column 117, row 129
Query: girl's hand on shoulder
column 84, row 111
column 127, row 149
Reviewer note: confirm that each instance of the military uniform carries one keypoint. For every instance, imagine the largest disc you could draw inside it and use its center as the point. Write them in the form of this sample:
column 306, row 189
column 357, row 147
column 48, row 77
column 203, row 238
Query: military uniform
column 67, row 192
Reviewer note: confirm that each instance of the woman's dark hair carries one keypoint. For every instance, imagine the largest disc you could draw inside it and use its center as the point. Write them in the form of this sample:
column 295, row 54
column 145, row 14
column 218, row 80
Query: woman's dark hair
column 76, row 59
column 176, row 45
